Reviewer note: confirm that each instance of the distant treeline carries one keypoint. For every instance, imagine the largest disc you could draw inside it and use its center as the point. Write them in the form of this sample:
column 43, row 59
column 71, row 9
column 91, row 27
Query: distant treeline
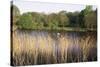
column 87, row 18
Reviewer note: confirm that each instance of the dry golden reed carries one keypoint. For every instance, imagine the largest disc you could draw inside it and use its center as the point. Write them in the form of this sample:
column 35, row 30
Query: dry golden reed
column 42, row 48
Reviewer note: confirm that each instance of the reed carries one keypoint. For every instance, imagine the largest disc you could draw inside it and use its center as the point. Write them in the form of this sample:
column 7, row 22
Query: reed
column 44, row 49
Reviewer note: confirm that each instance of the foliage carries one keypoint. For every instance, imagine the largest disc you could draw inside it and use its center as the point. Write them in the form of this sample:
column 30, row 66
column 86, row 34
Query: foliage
column 15, row 15
column 63, row 18
column 87, row 18
column 25, row 21
column 90, row 20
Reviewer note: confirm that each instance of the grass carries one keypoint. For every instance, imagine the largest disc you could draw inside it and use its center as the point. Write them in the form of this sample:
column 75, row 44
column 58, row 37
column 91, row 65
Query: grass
column 50, row 48
column 77, row 29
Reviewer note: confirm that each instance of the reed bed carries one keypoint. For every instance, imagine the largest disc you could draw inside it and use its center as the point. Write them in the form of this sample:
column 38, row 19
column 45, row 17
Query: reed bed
column 32, row 48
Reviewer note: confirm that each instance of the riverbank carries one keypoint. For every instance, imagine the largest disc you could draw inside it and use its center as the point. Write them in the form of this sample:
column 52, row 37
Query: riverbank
column 69, row 29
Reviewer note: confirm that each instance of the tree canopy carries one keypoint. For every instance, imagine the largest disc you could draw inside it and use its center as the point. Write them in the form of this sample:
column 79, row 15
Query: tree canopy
column 15, row 14
column 16, row 11
column 87, row 18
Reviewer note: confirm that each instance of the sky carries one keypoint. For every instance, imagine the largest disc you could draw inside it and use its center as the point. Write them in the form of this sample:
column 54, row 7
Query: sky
column 45, row 7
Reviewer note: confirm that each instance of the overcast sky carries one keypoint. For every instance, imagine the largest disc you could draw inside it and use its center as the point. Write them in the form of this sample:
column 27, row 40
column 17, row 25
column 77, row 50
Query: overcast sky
column 31, row 6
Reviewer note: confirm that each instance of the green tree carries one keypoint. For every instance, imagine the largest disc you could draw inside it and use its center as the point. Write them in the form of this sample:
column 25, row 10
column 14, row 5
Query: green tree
column 90, row 17
column 16, row 11
column 15, row 14
column 63, row 19
column 52, row 21
column 73, row 19
column 91, row 20
column 82, row 16
column 38, row 18
column 25, row 21
column 81, row 19
column 88, row 9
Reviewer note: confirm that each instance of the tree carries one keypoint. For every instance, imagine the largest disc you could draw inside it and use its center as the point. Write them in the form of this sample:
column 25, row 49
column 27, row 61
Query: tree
column 90, row 17
column 81, row 19
column 15, row 14
column 91, row 20
column 87, row 18
column 73, row 19
column 25, row 21
column 82, row 16
column 52, row 21
column 38, row 18
column 63, row 19
column 88, row 9
column 16, row 11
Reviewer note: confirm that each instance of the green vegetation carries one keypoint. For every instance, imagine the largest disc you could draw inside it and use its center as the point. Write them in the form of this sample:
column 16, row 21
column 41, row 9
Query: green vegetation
column 15, row 12
column 25, row 21
column 57, row 45
column 63, row 20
